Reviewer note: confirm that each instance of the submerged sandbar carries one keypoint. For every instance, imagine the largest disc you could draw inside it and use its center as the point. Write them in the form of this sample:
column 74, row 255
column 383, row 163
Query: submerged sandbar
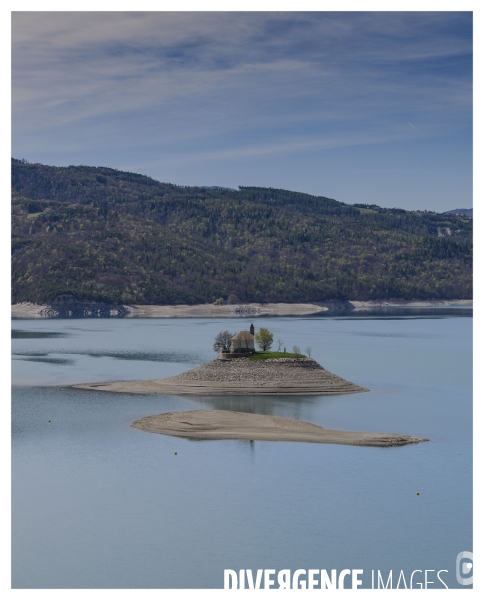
column 231, row 425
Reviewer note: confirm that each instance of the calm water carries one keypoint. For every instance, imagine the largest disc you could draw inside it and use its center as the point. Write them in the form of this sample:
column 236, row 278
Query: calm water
column 97, row 504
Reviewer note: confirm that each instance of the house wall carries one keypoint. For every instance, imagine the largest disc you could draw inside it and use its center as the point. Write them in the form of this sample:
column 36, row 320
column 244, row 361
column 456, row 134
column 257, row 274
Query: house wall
column 242, row 345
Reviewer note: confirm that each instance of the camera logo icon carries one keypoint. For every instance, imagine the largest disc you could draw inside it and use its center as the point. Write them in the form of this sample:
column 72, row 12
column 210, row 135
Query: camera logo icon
column 464, row 566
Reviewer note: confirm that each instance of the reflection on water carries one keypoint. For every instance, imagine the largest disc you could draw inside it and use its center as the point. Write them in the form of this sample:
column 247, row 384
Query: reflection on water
column 52, row 361
column 19, row 334
column 287, row 406
column 32, row 353
column 169, row 357
column 176, row 357
column 409, row 312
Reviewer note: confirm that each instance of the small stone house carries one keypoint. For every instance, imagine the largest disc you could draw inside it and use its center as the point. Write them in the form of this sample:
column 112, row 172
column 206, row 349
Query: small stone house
column 243, row 342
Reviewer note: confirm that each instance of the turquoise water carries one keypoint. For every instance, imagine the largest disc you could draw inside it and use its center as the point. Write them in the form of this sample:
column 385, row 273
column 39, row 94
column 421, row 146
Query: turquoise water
column 97, row 504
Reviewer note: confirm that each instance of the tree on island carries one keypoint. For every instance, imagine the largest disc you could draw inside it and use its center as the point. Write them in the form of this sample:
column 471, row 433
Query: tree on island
column 223, row 339
column 264, row 338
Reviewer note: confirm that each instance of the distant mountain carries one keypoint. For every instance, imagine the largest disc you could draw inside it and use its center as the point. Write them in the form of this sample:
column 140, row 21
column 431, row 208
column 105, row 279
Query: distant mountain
column 106, row 235
column 218, row 187
column 465, row 212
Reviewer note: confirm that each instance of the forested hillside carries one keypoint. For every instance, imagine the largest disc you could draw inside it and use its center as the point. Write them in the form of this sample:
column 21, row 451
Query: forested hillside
column 107, row 235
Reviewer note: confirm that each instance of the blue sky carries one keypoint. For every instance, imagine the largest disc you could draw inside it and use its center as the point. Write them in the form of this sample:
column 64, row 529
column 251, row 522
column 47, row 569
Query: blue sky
column 357, row 106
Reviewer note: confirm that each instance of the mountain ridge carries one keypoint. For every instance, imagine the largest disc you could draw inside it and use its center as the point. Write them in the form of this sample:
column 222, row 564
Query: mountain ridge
column 112, row 236
column 466, row 212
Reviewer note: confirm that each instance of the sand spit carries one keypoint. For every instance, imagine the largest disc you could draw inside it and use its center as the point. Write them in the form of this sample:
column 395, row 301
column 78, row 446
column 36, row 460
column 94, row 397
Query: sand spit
column 230, row 425
column 242, row 377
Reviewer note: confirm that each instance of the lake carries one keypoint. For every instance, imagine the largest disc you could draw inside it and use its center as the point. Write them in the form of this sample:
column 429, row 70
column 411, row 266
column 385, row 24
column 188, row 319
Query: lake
column 98, row 504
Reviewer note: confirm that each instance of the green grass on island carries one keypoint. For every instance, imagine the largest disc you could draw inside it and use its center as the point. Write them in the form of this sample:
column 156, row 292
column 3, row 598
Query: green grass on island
column 265, row 355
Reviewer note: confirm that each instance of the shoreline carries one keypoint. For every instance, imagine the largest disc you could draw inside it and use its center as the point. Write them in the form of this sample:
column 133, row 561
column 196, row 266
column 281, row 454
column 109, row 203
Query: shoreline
column 232, row 425
column 28, row 310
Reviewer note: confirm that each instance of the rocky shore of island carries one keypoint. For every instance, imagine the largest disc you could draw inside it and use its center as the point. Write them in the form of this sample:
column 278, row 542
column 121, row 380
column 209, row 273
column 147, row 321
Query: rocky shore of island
column 242, row 376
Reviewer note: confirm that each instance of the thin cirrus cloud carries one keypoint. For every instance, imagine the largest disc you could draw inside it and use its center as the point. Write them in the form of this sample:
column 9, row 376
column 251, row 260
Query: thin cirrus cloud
column 166, row 90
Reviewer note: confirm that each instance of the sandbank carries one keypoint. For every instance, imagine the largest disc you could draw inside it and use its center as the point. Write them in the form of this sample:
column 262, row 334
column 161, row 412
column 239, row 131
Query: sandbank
column 231, row 425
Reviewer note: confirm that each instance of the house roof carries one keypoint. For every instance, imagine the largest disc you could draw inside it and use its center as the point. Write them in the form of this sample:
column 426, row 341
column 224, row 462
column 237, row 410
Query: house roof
column 243, row 336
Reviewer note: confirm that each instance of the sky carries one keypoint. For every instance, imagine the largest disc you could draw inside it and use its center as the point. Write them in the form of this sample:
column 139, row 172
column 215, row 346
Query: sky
column 363, row 107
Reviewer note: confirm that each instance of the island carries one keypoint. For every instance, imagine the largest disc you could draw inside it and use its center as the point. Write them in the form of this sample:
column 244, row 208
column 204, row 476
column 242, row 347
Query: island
column 240, row 370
